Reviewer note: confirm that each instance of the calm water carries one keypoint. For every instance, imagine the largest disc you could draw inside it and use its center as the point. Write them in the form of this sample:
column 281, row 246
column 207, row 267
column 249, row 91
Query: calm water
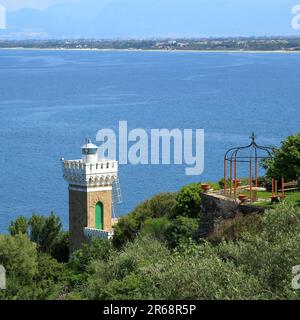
column 50, row 101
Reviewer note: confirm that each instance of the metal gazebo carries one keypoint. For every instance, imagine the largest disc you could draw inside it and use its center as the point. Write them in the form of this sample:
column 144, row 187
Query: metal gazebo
column 251, row 154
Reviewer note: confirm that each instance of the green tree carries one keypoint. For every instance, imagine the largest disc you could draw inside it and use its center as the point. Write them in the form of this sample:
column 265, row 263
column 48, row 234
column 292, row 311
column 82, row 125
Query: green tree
column 188, row 201
column 286, row 161
column 20, row 225
column 126, row 230
column 19, row 256
column 60, row 249
column 46, row 232
column 36, row 224
column 48, row 283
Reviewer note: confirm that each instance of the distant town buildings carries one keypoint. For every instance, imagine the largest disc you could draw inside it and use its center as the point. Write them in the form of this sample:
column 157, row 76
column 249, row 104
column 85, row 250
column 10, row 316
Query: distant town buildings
column 234, row 44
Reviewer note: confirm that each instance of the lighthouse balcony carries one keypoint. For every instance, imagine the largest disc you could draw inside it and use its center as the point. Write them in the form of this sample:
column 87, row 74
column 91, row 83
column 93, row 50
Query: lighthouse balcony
column 100, row 167
column 102, row 173
column 97, row 233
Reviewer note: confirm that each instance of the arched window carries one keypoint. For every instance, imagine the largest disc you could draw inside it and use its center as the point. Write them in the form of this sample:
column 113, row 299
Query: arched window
column 99, row 216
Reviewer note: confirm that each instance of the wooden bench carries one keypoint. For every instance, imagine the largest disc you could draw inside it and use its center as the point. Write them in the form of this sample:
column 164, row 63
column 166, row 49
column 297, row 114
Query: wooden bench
column 291, row 186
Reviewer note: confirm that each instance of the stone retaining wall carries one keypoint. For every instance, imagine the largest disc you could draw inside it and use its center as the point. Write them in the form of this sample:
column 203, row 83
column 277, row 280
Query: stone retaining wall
column 215, row 207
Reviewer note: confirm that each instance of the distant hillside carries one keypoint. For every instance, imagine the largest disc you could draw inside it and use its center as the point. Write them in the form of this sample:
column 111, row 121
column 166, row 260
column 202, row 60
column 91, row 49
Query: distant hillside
column 152, row 18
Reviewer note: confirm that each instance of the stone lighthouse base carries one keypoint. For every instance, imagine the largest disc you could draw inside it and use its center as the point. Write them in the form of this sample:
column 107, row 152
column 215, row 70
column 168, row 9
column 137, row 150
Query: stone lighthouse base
column 82, row 217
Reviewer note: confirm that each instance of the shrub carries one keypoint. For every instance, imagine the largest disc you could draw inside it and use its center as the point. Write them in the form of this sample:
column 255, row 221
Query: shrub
column 124, row 275
column 200, row 274
column 129, row 226
column 233, row 229
column 78, row 268
column 126, row 230
column 271, row 254
column 161, row 205
column 50, row 279
column 156, row 228
column 97, row 249
column 181, row 231
column 188, row 201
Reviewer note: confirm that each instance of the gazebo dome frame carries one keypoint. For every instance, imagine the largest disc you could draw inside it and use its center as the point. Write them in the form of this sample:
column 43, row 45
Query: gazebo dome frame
column 233, row 157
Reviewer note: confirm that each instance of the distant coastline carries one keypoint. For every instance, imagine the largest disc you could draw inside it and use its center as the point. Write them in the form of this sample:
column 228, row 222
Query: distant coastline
column 149, row 50
column 230, row 45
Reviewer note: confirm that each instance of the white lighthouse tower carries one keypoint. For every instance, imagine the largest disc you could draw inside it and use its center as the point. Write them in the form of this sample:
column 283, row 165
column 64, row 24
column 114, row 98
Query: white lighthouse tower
column 91, row 185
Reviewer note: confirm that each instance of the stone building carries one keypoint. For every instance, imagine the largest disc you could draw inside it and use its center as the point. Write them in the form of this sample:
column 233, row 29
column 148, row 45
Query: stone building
column 91, row 182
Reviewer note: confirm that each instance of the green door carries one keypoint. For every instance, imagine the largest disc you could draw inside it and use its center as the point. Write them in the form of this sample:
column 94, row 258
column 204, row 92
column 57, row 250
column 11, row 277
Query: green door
column 99, row 216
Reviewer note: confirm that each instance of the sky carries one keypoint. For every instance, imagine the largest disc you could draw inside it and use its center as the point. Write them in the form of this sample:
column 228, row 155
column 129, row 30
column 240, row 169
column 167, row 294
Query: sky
column 12, row 5
column 31, row 19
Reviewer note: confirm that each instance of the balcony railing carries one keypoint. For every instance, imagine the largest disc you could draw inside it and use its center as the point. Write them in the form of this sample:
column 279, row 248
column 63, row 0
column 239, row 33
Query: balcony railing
column 104, row 166
column 97, row 233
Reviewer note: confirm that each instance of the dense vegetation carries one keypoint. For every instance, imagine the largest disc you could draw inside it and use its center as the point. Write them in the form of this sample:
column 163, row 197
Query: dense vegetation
column 244, row 258
column 159, row 253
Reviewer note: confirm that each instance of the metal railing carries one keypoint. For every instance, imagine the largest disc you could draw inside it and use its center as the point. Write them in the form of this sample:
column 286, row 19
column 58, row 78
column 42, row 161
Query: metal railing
column 97, row 233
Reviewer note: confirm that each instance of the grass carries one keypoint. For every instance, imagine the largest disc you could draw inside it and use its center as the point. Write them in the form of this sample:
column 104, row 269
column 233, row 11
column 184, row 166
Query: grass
column 292, row 197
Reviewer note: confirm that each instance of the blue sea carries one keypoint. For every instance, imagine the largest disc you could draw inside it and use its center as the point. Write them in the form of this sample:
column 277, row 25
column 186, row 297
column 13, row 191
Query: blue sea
column 50, row 101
